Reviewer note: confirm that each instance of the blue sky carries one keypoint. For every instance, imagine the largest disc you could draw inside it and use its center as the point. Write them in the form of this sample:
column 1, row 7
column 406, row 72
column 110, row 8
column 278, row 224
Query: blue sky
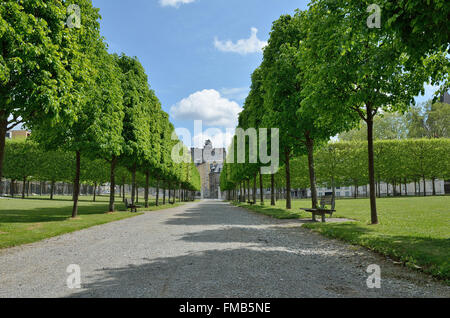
column 198, row 54
column 177, row 47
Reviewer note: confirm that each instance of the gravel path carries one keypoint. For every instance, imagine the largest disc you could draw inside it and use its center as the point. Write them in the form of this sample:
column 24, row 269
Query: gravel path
column 207, row 249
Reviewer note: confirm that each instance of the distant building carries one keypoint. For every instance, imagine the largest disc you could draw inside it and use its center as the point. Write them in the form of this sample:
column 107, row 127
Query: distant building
column 209, row 162
column 208, row 154
column 445, row 98
column 18, row 134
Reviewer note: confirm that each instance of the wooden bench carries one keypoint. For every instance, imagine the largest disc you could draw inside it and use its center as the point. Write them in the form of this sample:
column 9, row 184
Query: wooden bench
column 322, row 210
column 133, row 207
column 250, row 202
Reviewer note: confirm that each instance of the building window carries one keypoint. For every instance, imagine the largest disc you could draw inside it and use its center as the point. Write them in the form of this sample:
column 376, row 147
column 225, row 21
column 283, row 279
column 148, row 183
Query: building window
column 347, row 193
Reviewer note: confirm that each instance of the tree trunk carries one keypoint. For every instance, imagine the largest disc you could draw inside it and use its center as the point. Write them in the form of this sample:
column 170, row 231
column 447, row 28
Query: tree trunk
column 112, row 181
column 240, row 192
column 24, row 183
column 52, row 189
column 434, row 186
column 254, row 188
column 137, row 192
column 76, row 183
column 272, row 190
column 133, row 185
column 424, row 187
column 123, row 189
column 95, row 192
column 288, row 179
column 147, row 181
column 261, row 187
column 157, row 193
column 373, row 198
column 312, row 172
column 248, row 190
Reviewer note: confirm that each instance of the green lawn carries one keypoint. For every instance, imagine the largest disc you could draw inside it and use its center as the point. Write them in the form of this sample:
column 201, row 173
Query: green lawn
column 415, row 231
column 35, row 219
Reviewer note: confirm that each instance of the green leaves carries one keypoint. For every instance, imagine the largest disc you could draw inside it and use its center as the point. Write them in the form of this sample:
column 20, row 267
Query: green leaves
column 61, row 83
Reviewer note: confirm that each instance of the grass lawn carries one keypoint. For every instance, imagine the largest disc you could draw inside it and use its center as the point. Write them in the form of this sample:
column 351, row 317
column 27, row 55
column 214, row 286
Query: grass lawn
column 35, row 219
column 415, row 231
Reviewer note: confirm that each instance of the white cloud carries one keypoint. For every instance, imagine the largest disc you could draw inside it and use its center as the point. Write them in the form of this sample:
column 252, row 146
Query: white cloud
column 209, row 106
column 238, row 93
column 219, row 138
column 243, row 46
column 174, row 3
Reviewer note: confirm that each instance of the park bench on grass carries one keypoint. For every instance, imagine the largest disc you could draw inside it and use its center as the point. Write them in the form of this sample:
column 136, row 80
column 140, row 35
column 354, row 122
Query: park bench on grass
column 322, row 210
column 133, row 207
column 250, row 202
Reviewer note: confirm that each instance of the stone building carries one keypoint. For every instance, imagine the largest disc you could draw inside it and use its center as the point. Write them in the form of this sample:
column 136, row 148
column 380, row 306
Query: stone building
column 209, row 162
column 18, row 134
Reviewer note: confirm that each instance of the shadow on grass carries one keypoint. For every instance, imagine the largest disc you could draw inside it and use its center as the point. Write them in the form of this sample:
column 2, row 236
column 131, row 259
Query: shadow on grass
column 31, row 214
column 48, row 214
column 275, row 212
column 58, row 198
column 428, row 254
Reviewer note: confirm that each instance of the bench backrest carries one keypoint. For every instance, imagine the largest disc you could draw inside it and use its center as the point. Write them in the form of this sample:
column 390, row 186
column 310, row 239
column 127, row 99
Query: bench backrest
column 326, row 201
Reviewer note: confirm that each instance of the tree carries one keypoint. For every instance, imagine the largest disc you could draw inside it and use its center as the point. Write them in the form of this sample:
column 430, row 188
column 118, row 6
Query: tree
column 438, row 120
column 140, row 124
column 20, row 162
column 421, row 26
column 35, row 83
column 387, row 126
column 54, row 166
column 351, row 69
column 97, row 129
column 302, row 127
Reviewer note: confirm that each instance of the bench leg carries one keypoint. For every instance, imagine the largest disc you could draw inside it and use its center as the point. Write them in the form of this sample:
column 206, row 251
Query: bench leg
column 323, row 218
